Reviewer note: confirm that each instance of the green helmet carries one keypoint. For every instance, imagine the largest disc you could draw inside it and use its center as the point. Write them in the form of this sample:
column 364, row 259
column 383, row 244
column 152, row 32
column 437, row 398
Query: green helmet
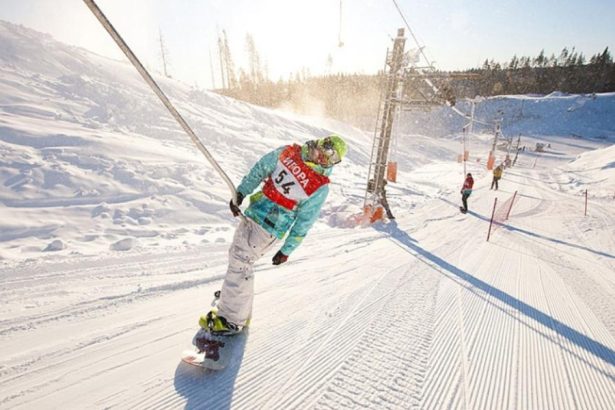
column 339, row 145
column 325, row 152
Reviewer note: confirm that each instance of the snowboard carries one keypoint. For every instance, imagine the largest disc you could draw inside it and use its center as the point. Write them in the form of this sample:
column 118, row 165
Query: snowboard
column 215, row 352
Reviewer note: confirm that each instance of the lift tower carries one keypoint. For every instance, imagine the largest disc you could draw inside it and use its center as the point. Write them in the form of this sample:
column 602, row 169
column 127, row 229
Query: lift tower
column 405, row 86
column 375, row 195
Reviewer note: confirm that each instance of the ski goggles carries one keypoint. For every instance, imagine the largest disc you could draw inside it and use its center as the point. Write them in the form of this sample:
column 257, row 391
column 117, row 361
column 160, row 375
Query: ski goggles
column 329, row 153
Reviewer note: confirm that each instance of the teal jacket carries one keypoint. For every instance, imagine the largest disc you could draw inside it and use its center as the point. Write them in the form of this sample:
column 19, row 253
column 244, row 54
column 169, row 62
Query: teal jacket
column 274, row 218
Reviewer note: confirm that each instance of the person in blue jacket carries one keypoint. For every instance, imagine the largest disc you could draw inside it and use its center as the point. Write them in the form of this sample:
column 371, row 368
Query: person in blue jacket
column 296, row 184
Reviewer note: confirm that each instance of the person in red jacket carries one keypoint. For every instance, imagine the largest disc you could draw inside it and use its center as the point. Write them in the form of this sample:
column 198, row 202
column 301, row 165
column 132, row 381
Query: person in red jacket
column 466, row 191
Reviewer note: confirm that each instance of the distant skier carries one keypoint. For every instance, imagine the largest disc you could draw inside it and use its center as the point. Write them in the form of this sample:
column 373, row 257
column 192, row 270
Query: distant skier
column 466, row 191
column 295, row 187
column 497, row 174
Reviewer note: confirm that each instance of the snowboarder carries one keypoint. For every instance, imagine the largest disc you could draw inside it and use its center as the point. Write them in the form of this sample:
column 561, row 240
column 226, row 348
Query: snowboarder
column 295, row 187
column 497, row 174
column 466, row 191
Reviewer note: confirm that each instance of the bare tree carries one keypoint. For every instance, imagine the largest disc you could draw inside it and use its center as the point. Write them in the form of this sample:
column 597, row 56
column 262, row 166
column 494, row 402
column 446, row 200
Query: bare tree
column 163, row 54
column 256, row 72
column 227, row 67
column 228, row 63
column 221, row 54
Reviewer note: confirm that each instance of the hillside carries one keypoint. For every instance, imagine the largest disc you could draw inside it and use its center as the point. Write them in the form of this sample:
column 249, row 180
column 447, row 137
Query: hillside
column 114, row 233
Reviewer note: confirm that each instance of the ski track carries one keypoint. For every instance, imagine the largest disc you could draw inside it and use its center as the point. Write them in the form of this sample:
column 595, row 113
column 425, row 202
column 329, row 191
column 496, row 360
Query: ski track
column 417, row 313
column 402, row 322
column 174, row 272
column 369, row 354
column 595, row 289
column 560, row 384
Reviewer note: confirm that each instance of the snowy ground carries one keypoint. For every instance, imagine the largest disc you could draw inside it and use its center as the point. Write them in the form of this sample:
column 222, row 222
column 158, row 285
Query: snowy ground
column 114, row 235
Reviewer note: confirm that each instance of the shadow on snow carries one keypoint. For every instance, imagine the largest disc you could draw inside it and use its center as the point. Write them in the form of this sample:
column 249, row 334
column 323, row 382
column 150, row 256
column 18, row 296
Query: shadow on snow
column 533, row 234
column 583, row 341
column 210, row 389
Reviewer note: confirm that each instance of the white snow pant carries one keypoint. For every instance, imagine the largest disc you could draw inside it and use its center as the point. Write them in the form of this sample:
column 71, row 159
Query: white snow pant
column 251, row 242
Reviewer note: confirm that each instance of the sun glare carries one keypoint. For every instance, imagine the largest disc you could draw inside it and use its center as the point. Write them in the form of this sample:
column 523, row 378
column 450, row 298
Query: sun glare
column 294, row 35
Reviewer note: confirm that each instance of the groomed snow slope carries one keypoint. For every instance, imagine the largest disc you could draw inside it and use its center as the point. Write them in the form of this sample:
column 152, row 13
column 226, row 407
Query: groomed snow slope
column 420, row 312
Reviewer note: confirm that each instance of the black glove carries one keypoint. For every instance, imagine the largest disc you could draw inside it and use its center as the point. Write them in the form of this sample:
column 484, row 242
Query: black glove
column 235, row 208
column 279, row 258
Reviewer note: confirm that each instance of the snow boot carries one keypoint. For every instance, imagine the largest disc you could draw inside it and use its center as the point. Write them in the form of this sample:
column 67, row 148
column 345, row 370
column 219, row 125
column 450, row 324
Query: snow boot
column 217, row 325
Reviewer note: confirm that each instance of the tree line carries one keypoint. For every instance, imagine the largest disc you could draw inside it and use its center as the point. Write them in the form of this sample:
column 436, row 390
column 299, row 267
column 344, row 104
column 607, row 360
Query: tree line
column 354, row 98
column 568, row 72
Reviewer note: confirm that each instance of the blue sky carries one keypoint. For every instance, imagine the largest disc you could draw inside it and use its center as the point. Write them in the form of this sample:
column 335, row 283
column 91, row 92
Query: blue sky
column 292, row 35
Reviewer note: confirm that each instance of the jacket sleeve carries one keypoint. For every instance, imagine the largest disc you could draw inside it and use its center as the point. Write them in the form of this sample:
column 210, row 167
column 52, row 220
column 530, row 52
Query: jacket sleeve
column 306, row 216
column 259, row 172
